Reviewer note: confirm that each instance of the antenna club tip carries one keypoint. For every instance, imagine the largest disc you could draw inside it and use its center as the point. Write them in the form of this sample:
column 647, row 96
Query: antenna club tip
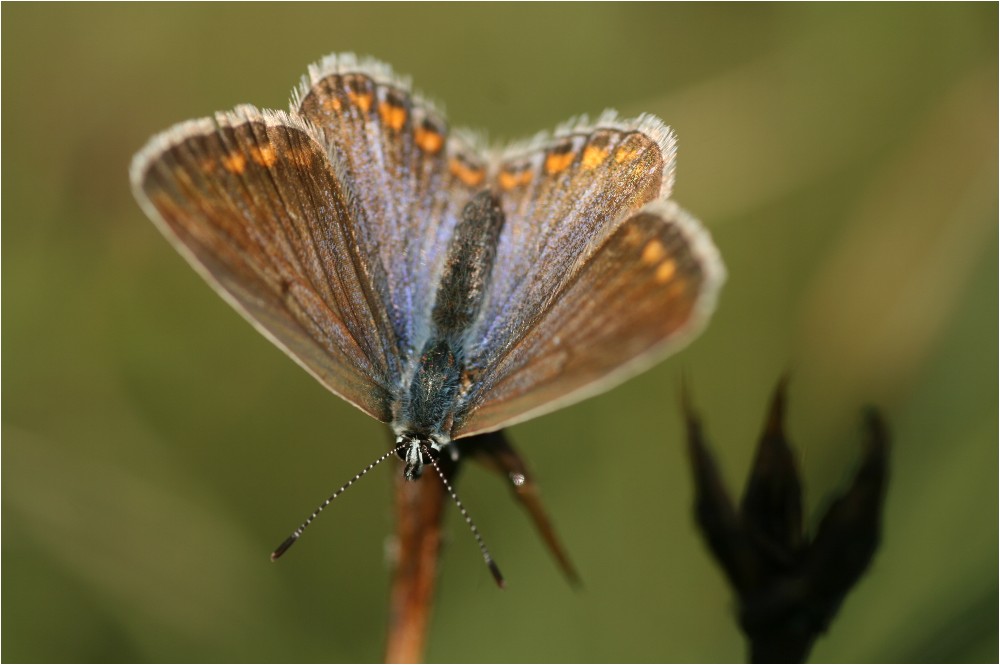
column 497, row 576
column 283, row 547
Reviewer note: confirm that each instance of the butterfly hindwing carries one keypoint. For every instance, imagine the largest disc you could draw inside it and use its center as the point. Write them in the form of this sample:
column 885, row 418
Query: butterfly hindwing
column 646, row 291
column 254, row 203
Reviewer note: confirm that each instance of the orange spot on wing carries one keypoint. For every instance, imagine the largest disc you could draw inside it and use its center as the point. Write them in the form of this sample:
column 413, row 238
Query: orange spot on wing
column 556, row 162
column 363, row 100
column 508, row 180
column 653, row 252
column 429, row 140
column 332, row 104
column 625, row 154
column 666, row 271
column 264, row 156
column 234, row 162
column 593, row 156
column 470, row 175
column 512, row 178
column 393, row 116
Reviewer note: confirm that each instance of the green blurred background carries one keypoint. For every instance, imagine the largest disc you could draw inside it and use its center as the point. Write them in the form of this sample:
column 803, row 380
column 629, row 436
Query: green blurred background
column 156, row 448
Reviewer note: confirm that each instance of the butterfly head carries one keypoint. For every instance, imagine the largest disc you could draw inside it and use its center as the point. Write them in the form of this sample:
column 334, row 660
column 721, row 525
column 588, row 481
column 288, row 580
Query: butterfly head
column 417, row 450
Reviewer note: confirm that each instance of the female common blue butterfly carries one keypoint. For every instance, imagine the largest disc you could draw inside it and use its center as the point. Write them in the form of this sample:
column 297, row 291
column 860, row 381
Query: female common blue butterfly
column 441, row 286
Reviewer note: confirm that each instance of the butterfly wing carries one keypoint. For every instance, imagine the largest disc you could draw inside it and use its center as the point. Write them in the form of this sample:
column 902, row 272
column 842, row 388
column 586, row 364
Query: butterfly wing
column 563, row 196
column 254, row 203
column 646, row 291
column 411, row 176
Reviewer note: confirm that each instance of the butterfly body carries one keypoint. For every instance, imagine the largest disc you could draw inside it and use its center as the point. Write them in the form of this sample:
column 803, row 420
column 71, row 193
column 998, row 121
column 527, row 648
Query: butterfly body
column 442, row 287
column 424, row 414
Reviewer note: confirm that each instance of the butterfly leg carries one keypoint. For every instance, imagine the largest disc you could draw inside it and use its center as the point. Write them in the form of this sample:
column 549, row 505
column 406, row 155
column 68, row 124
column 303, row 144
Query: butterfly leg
column 496, row 453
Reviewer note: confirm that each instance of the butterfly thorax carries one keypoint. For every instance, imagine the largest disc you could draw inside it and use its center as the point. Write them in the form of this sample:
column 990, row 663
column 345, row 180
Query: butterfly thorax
column 425, row 409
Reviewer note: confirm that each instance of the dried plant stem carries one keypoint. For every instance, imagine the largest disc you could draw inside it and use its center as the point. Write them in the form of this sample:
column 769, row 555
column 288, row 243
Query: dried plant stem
column 419, row 511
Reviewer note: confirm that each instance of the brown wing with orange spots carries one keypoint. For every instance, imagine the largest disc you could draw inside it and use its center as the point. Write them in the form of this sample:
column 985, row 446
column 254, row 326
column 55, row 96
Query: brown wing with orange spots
column 563, row 196
column 644, row 293
column 394, row 151
column 252, row 202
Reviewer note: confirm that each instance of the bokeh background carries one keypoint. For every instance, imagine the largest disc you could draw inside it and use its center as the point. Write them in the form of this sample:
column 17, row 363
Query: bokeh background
column 156, row 448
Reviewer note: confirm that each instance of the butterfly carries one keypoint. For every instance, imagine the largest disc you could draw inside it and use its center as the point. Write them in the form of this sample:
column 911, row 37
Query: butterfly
column 440, row 285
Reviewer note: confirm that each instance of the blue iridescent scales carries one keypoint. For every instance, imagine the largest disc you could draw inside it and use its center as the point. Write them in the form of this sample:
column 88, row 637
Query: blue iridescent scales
column 332, row 229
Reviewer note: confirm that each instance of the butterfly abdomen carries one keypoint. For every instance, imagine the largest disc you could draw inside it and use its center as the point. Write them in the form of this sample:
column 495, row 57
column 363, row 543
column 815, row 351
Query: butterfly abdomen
column 468, row 266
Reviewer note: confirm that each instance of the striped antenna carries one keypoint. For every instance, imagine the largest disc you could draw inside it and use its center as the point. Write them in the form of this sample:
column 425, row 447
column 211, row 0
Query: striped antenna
column 490, row 563
column 283, row 547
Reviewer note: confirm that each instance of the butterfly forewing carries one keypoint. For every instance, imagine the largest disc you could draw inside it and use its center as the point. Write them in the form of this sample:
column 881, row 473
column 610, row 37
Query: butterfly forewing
column 252, row 200
column 563, row 196
column 408, row 174
column 647, row 290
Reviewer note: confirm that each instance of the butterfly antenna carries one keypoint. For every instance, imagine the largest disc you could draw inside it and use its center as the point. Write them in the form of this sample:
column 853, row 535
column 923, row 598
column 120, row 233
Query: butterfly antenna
column 490, row 563
column 283, row 547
